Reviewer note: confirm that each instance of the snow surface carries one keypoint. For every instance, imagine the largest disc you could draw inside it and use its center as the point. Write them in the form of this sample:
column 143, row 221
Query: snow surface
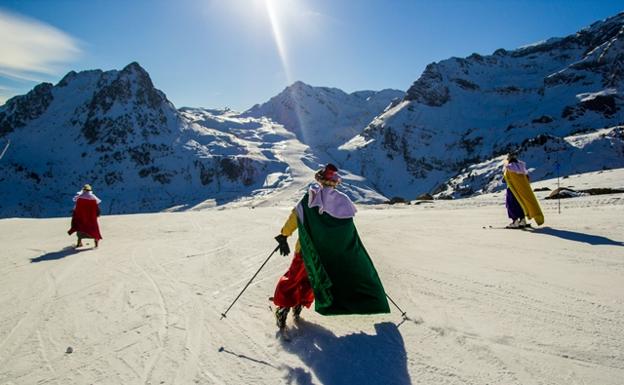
column 486, row 305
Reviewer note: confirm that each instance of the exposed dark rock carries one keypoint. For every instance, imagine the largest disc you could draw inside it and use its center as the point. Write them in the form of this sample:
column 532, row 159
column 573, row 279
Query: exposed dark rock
column 429, row 89
column 565, row 192
column 423, row 197
column 562, row 193
column 603, row 191
column 20, row 110
column 466, row 84
column 113, row 177
column 206, row 174
column 238, row 169
column 395, row 200
column 543, row 119
column 604, row 104
column 539, row 140
column 508, row 90
column 563, row 78
column 470, row 144
column 570, row 112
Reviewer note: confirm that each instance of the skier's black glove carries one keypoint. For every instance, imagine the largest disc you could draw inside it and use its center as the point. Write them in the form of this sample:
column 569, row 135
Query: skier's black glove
column 283, row 245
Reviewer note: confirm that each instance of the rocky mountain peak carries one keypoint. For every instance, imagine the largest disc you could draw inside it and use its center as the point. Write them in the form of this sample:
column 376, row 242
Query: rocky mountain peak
column 19, row 110
column 324, row 117
column 429, row 88
column 116, row 131
column 298, row 85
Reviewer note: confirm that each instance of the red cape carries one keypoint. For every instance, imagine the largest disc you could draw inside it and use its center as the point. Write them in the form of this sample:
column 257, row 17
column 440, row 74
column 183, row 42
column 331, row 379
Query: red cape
column 84, row 218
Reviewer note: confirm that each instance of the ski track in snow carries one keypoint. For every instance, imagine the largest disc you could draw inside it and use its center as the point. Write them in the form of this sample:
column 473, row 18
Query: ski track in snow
column 486, row 305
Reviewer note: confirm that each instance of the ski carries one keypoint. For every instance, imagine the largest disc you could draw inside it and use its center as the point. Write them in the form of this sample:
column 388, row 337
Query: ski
column 527, row 227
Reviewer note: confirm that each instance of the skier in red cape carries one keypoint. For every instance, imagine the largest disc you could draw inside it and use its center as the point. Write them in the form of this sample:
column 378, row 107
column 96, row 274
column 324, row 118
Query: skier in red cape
column 84, row 218
column 330, row 267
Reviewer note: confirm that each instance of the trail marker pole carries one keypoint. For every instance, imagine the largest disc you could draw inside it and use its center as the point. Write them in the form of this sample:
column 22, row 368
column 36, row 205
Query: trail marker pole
column 558, row 167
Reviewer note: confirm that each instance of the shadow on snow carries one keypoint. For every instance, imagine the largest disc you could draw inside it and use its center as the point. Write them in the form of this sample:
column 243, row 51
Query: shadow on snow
column 578, row 237
column 357, row 358
column 69, row 250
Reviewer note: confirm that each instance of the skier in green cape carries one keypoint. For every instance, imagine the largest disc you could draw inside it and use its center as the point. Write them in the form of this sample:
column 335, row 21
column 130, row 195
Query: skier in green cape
column 330, row 265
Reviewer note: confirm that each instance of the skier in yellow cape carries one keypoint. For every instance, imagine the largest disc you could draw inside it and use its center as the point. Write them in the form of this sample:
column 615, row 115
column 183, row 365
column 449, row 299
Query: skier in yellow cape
column 520, row 200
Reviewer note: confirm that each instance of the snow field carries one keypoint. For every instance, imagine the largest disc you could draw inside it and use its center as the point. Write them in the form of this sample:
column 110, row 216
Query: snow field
column 485, row 305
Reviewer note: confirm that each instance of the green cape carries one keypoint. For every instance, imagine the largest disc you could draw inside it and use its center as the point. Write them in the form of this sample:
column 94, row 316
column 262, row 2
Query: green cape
column 340, row 270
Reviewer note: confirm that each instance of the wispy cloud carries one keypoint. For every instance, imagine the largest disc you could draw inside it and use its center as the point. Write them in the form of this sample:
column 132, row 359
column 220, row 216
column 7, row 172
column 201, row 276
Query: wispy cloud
column 31, row 48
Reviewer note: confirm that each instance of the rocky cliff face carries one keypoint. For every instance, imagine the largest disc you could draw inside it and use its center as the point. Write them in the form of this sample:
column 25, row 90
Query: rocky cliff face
column 18, row 111
column 463, row 111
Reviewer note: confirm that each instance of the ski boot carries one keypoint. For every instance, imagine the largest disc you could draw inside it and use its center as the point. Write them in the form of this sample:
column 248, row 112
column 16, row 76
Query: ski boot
column 522, row 223
column 280, row 317
column 514, row 225
column 297, row 313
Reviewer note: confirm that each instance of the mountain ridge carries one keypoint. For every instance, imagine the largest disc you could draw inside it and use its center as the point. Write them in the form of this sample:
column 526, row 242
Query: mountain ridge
column 445, row 135
column 463, row 111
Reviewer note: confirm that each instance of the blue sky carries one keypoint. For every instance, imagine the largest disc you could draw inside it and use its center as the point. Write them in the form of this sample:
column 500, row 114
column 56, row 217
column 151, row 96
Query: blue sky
column 235, row 53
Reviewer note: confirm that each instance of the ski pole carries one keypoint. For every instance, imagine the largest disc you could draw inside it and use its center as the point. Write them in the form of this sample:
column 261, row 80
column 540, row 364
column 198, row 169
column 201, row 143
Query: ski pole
column 223, row 315
column 403, row 314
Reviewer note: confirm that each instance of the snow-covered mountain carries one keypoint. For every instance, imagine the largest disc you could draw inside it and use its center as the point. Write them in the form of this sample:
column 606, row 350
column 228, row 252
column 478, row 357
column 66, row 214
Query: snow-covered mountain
column 323, row 117
column 463, row 111
column 561, row 99
column 116, row 131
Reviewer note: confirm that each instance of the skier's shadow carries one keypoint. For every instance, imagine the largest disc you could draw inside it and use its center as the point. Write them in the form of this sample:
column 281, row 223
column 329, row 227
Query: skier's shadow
column 352, row 359
column 578, row 237
column 69, row 250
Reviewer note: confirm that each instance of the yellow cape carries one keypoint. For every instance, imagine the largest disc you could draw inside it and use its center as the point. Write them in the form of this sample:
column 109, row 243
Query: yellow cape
column 521, row 189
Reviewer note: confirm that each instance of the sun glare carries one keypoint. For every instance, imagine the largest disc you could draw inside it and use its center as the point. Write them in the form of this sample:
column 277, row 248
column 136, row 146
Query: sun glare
column 278, row 36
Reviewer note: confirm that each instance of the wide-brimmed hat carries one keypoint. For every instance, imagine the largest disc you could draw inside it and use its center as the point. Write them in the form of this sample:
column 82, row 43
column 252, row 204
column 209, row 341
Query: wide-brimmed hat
column 328, row 175
column 87, row 187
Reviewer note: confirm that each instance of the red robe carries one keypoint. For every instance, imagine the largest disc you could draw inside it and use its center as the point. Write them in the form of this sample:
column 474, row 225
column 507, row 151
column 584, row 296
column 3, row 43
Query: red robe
column 294, row 288
column 84, row 218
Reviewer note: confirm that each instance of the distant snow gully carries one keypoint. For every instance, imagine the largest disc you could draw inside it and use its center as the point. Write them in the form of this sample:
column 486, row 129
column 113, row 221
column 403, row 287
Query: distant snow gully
column 6, row 147
column 330, row 266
